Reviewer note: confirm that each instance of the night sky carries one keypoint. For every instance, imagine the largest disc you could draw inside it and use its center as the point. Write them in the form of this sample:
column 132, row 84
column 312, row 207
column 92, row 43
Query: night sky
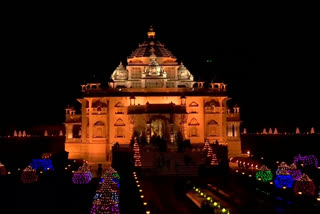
column 269, row 57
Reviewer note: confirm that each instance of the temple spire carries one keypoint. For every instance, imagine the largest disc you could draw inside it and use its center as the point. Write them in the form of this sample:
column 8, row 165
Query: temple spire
column 151, row 33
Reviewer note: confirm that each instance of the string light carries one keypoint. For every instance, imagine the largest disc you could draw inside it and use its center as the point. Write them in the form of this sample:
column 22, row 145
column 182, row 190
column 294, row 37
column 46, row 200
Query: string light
column 44, row 164
column 214, row 160
column 264, row 174
column 283, row 178
column 106, row 199
column 306, row 160
column 83, row 175
column 294, row 172
column 304, row 186
column 29, row 175
column 136, row 155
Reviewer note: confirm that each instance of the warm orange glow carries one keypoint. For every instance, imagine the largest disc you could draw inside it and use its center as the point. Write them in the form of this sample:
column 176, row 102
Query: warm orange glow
column 300, row 193
column 66, row 168
column 142, row 196
column 100, row 115
column 19, row 169
column 250, row 176
column 237, row 170
column 147, row 212
column 140, row 190
column 137, row 181
column 9, row 173
column 41, row 172
column 259, row 179
column 243, row 173
column 284, row 187
column 151, row 33
column 318, row 199
column 72, row 171
column 271, row 182
column 138, row 185
column 145, row 203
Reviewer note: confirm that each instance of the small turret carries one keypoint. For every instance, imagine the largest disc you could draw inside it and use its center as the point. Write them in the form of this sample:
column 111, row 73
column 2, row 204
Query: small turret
column 70, row 111
column 151, row 33
column 236, row 109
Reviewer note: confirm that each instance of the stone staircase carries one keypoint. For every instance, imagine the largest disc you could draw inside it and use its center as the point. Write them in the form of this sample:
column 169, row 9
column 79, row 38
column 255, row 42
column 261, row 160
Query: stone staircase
column 170, row 163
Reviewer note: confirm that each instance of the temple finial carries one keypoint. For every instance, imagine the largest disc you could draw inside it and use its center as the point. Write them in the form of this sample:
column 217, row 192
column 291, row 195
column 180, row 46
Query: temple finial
column 151, row 33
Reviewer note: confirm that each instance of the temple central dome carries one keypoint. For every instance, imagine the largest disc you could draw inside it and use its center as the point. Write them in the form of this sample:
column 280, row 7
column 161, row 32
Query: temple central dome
column 154, row 70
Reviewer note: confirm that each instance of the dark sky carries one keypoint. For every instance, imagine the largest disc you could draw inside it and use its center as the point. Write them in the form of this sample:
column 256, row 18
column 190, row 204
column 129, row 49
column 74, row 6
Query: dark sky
column 269, row 56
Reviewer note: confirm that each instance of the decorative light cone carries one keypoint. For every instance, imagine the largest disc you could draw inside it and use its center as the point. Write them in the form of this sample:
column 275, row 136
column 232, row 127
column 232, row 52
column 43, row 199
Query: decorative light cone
column 244, row 131
column 206, row 145
column 298, row 131
column 209, row 153
column 312, row 131
column 275, row 131
column 106, row 199
column 214, row 160
column 270, row 131
column 136, row 155
column 264, row 131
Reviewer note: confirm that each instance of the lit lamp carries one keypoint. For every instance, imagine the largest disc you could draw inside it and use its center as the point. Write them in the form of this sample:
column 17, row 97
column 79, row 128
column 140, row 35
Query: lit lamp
column 132, row 101
column 183, row 101
column 172, row 137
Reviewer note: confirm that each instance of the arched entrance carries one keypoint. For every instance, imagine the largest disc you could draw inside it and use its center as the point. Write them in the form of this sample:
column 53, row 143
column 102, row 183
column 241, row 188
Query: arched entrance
column 159, row 127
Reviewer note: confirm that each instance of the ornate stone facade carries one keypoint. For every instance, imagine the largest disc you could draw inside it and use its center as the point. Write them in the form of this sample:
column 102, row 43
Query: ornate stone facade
column 152, row 96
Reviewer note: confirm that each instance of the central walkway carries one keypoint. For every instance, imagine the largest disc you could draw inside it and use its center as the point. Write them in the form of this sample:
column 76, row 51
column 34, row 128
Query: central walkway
column 167, row 196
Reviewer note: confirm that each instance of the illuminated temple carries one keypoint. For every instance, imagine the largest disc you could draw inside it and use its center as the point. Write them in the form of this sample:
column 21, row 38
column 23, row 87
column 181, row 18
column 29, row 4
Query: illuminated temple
column 151, row 95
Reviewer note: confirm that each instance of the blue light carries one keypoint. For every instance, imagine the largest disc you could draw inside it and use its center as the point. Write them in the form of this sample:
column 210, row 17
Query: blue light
column 283, row 181
column 41, row 163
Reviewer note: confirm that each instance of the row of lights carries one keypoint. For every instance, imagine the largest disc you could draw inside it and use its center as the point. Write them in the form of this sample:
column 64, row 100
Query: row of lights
column 140, row 191
column 271, row 183
column 214, row 203
column 19, row 169
column 66, row 168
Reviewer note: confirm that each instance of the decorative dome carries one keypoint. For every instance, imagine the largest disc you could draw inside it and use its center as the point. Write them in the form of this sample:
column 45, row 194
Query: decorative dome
column 120, row 73
column 184, row 73
column 154, row 69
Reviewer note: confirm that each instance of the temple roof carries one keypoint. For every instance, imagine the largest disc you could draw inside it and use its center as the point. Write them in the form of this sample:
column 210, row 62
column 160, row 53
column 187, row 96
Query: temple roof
column 151, row 46
column 147, row 47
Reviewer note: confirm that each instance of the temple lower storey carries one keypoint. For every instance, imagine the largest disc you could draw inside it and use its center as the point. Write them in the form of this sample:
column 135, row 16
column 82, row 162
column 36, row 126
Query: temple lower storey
column 152, row 97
